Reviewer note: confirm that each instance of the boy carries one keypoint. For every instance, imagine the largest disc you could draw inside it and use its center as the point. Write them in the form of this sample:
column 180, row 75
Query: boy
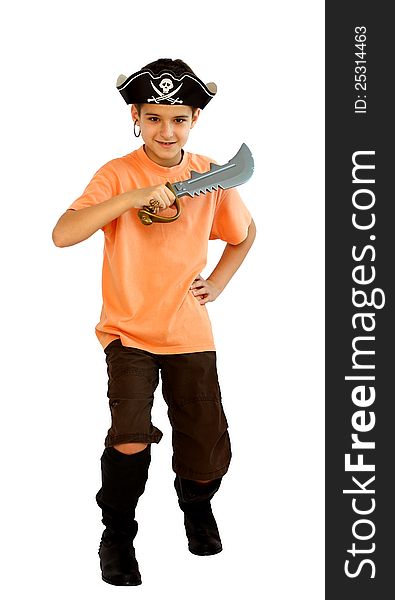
column 154, row 317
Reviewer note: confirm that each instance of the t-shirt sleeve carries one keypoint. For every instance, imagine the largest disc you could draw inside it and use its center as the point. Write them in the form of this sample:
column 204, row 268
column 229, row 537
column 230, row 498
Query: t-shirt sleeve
column 231, row 218
column 102, row 186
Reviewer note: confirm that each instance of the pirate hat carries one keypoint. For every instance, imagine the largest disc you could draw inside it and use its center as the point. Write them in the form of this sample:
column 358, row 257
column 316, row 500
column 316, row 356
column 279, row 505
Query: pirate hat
column 166, row 88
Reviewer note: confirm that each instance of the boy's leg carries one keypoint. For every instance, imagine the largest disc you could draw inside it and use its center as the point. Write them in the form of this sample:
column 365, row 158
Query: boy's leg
column 130, row 448
column 132, row 378
column 201, row 442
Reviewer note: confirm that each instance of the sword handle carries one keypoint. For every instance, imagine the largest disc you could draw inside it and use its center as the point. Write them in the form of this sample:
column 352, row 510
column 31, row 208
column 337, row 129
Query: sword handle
column 148, row 216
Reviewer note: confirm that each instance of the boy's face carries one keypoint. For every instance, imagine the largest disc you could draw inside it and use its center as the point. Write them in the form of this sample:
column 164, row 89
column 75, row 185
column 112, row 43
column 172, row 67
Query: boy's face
column 165, row 130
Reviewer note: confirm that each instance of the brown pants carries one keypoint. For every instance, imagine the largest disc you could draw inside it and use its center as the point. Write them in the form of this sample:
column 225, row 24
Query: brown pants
column 190, row 388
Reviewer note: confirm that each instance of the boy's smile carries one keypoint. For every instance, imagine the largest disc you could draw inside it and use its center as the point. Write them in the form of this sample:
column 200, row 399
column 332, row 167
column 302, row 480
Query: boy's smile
column 165, row 130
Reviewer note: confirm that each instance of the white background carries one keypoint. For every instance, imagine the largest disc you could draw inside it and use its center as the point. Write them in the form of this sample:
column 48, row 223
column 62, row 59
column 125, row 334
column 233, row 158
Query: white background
column 61, row 119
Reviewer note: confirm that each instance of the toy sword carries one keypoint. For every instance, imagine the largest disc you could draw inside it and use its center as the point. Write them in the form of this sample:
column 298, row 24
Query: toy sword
column 235, row 172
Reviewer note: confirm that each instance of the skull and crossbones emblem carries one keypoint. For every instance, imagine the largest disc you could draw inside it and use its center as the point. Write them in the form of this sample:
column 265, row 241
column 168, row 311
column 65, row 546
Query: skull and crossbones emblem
column 165, row 85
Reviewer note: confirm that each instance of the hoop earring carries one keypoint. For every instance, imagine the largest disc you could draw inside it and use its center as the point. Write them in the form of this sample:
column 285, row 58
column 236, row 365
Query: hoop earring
column 134, row 129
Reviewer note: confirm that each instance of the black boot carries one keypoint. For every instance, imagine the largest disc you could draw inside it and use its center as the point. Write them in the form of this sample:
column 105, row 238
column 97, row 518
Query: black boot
column 123, row 481
column 200, row 526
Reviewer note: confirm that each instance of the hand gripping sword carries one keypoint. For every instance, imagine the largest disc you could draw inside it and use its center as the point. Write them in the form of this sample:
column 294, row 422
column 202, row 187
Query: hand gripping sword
column 235, row 172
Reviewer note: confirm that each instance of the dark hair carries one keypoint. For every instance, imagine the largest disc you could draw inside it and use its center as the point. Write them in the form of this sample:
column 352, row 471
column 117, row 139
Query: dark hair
column 177, row 67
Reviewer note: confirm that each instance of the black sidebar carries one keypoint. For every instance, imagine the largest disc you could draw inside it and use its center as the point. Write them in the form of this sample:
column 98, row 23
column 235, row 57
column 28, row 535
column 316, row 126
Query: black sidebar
column 360, row 272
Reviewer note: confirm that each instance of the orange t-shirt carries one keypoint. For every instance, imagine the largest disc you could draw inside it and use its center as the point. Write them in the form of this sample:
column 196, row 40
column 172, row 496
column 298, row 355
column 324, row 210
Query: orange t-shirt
column 147, row 270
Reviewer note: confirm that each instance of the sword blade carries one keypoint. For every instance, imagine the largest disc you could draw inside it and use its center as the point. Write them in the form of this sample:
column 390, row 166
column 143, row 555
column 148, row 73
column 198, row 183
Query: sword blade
column 235, row 172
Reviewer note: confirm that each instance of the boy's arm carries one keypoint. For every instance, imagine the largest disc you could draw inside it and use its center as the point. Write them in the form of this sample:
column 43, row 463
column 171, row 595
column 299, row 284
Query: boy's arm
column 207, row 290
column 74, row 226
